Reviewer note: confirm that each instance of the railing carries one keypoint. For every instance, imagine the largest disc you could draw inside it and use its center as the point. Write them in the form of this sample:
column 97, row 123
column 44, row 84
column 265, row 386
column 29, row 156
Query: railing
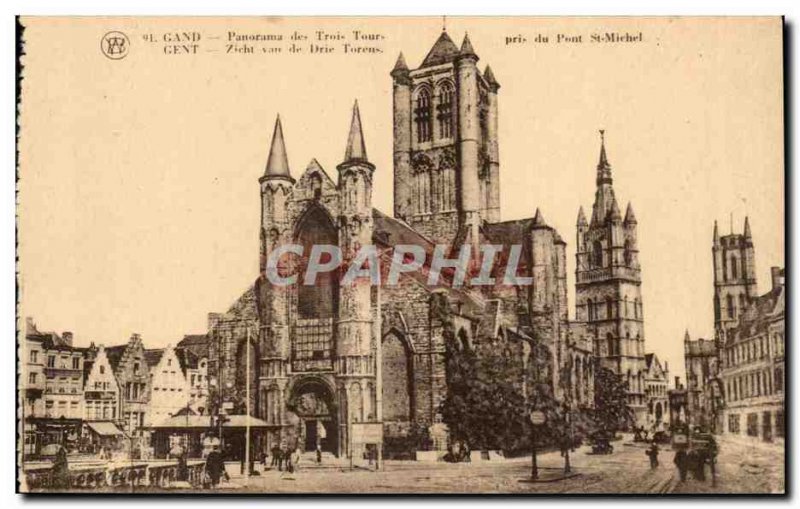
column 83, row 477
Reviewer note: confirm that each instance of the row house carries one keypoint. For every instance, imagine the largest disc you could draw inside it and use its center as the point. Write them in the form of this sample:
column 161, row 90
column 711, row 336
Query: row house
column 753, row 367
column 52, row 389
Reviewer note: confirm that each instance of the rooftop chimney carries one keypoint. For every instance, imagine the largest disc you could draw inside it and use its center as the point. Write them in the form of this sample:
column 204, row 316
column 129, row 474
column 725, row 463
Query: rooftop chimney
column 67, row 337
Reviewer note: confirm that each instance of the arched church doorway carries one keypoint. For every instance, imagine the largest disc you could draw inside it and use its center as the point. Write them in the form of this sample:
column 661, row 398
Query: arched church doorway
column 313, row 403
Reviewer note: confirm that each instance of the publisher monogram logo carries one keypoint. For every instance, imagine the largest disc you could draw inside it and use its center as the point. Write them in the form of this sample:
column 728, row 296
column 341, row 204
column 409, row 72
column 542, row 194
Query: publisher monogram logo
column 115, row 45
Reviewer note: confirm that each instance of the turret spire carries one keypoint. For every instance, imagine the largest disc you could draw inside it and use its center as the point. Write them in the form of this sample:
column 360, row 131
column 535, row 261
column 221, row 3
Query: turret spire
column 277, row 162
column 615, row 213
column 581, row 217
column 747, row 234
column 356, row 150
column 466, row 48
column 538, row 218
column 488, row 75
column 716, row 233
column 400, row 65
column 630, row 217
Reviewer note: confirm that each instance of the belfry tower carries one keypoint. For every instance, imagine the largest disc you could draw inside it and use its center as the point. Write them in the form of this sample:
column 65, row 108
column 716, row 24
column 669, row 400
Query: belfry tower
column 446, row 157
column 734, row 277
column 608, row 285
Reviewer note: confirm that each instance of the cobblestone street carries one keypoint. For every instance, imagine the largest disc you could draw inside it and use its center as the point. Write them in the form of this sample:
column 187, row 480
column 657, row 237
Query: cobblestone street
column 744, row 469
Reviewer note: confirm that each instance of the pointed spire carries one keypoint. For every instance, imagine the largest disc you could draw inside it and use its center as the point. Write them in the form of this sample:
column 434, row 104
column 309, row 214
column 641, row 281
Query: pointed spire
column 603, row 158
column 356, row 151
column 466, row 48
column 615, row 213
column 630, row 217
column 686, row 337
column 444, row 50
column 747, row 234
column 603, row 167
column 400, row 65
column 538, row 218
column 277, row 162
column 716, row 233
column 488, row 75
column 581, row 217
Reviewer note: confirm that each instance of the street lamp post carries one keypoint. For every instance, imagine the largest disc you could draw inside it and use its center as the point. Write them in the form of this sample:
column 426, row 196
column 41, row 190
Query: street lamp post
column 537, row 419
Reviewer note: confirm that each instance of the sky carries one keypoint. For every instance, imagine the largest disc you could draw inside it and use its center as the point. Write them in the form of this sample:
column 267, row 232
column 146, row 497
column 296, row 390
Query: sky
column 138, row 193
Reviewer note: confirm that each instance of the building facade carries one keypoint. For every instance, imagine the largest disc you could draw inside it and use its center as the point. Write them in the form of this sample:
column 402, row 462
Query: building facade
column 52, row 390
column 169, row 389
column 133, row 376
column 101, row 394
column 752, row 370
column 656, row 390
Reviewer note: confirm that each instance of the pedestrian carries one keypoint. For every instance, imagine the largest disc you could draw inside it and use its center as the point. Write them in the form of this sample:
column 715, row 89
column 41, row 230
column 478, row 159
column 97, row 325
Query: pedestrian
column 319, row 452
column 282, row 457
column 681, row 461
column 295, row 459
column 275, row 452
column 61, row 469
column 215, row 467
column 652, row 453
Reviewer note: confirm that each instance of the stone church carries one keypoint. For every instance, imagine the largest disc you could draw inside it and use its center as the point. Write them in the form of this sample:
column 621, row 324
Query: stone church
column 318, row 358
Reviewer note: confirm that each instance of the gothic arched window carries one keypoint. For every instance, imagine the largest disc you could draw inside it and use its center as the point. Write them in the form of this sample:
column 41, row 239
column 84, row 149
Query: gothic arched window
column 444, row 110
column 628, row 254
column 731, row 307
column 422, row 116
column 609, row 308
column 734, row 268
column 590, row 309
column 597, row 254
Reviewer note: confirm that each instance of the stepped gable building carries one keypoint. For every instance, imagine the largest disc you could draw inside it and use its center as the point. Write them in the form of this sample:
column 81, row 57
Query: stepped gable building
column 317, row 358
column 131, row 371
column 608, row 280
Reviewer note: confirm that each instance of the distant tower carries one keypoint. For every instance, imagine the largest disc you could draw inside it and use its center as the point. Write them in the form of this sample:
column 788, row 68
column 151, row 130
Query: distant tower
column 446, row 156
column 734, row 276
column 608, row 284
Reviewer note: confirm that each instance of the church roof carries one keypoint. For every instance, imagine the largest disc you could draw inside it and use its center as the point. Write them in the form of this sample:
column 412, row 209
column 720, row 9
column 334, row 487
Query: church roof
column 390, row 231
column 443, row 51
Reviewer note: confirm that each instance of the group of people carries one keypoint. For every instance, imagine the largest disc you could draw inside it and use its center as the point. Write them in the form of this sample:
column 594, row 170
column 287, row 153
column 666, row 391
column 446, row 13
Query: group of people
column 694, row 461
column 687, row 460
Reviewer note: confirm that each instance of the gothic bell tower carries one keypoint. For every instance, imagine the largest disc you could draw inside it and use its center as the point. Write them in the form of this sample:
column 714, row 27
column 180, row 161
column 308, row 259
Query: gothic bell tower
column 446, row 157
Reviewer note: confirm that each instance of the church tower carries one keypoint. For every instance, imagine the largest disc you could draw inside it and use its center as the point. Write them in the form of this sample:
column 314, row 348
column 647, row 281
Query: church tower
column 608, row 285
column 355, row 342
column 446, row 157
column 273, row 340
column 734, row 276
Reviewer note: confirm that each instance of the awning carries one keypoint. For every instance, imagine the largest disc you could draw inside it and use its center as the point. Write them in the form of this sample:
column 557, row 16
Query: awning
column 204, row 422
column 105, row 429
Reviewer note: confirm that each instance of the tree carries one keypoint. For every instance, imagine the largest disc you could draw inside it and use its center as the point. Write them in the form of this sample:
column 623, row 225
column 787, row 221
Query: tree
column 611, row 410
column 484, row 405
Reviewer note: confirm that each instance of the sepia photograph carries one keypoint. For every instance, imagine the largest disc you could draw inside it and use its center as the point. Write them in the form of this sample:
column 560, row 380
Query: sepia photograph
column 420, row 255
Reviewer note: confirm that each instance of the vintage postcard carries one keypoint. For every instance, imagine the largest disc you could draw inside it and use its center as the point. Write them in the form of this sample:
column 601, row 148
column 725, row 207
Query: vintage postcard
column 419, row 255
